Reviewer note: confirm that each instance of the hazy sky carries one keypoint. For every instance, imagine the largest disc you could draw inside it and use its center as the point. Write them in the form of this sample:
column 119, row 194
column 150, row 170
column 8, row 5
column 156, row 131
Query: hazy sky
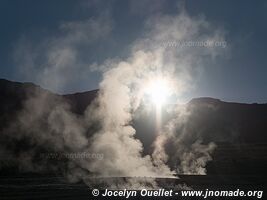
column 56, row 44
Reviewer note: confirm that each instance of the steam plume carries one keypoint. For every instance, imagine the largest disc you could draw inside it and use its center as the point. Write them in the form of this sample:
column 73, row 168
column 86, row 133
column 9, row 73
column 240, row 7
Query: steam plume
column 121, row 94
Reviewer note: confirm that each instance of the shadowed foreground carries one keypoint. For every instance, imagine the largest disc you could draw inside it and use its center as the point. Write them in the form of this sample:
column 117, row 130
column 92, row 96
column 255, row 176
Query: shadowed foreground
column 29, row 186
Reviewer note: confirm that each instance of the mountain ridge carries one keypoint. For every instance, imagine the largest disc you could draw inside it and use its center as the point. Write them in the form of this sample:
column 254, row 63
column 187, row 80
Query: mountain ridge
column 93, row 93
column 236, row 128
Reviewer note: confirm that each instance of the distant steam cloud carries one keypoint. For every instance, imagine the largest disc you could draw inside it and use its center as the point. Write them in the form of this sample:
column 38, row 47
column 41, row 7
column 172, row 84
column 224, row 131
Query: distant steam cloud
column 59, row 62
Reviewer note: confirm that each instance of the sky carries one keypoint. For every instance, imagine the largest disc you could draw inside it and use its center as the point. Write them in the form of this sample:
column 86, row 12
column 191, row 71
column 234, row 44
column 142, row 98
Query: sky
column 65, row 45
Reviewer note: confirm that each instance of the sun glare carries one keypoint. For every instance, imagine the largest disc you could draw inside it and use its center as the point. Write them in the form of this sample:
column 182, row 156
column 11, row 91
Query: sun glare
column 158, row 91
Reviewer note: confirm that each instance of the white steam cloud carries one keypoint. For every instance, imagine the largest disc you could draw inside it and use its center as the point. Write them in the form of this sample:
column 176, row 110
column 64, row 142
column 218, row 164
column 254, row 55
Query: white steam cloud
column 120, row 95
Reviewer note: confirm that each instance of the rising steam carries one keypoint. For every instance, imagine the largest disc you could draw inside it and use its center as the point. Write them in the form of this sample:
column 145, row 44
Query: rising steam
column 120, row 96
column 106, row 127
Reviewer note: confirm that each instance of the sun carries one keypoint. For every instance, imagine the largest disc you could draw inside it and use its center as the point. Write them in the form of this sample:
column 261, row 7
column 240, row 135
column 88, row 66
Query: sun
column 158, row 90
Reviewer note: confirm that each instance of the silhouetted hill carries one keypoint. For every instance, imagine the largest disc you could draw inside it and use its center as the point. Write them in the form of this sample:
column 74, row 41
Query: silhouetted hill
column 13, row 94
column 245, row 122
column 238, row 129
column 79, row 101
